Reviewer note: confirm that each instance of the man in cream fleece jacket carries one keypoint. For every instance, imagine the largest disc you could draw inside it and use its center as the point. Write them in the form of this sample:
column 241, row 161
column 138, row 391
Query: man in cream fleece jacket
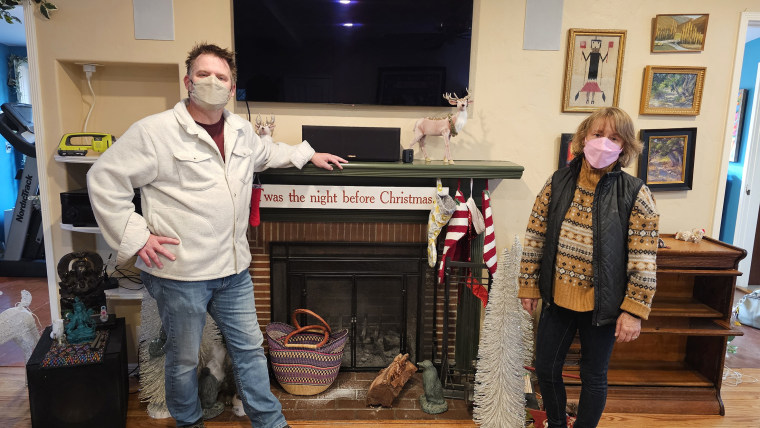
column 194, row 166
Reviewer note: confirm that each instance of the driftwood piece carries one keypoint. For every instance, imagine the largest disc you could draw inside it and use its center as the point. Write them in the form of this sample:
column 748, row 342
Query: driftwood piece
column 390, row 381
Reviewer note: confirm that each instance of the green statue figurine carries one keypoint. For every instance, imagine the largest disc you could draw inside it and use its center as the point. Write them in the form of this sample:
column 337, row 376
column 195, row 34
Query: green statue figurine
column 432, row 401
column 80, row 327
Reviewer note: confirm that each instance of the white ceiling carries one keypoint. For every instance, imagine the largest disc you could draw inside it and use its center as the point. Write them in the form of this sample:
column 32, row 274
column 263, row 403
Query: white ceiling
column 13, row 34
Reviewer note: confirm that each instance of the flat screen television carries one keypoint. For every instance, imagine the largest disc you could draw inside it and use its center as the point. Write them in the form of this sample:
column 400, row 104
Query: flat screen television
column 376, row 52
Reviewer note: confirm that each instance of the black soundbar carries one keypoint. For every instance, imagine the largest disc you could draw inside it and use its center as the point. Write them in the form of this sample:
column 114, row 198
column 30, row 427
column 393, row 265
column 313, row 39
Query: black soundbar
column 355, row 143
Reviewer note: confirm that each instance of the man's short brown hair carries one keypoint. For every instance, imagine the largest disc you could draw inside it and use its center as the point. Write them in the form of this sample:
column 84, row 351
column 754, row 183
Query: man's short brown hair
column 207, row 48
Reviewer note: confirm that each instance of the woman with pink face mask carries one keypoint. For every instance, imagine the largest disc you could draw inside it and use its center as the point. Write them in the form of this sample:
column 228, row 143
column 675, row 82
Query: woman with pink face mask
column 590, row 255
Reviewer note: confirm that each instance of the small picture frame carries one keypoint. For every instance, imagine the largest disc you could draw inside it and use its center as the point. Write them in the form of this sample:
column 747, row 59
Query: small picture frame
column 679, row 33
column 672, row 90
column 736, row 135
column 667, row 160
column 565, row 150
column 593, row 66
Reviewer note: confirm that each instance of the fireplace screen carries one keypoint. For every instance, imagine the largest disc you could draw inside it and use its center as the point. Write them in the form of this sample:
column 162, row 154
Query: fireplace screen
column 373, row 290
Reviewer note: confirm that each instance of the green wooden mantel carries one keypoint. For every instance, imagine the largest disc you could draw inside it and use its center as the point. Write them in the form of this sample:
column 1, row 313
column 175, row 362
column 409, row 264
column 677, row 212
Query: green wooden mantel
column 417, row 169
column 396, row 174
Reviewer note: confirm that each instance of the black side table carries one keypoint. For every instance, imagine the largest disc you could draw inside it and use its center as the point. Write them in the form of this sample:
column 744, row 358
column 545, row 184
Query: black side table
column 80, row 396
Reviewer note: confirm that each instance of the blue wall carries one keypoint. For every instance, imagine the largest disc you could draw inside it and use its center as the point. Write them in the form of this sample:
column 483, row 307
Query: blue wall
column 734, row 179
column 9, row 162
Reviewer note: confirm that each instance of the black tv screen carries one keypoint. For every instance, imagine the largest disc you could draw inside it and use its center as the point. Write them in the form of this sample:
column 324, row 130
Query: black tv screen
column 377, row 52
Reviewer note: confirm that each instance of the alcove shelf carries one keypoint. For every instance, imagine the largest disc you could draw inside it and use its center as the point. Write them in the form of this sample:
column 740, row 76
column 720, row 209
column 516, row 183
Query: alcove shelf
column 89, row 158
column 81, row 229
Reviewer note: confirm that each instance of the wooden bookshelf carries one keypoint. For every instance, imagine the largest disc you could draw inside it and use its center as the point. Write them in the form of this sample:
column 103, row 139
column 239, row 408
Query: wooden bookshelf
column 676, row 365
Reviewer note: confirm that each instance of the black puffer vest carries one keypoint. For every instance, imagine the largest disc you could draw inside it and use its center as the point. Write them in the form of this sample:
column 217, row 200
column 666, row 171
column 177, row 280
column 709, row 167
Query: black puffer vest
column 614, row 197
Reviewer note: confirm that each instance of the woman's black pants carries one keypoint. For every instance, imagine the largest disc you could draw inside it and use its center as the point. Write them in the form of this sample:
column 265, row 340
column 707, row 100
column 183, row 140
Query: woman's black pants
column 556, row 330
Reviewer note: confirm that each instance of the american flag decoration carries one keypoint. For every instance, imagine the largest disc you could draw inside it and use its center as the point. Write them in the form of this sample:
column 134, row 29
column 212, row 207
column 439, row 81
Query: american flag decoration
column 489, row 240
column 456, row 229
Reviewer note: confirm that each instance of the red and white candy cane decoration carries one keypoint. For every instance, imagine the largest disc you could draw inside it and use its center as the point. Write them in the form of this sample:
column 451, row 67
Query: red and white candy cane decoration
column 489, row 240
column 455, row 230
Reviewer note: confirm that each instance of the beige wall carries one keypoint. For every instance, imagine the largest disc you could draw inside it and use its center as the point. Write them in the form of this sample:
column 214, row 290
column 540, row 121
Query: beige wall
column 516, row 116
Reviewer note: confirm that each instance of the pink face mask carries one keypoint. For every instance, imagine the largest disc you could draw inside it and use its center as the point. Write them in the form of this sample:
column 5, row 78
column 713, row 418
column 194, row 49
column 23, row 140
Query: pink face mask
column 601, row 152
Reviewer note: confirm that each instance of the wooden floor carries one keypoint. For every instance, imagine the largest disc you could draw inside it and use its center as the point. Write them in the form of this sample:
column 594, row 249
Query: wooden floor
column 742, row 409
column 742, row 401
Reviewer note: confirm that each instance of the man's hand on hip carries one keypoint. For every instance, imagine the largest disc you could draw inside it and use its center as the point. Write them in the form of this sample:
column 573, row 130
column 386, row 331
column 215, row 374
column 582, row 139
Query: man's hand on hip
column 155, row 246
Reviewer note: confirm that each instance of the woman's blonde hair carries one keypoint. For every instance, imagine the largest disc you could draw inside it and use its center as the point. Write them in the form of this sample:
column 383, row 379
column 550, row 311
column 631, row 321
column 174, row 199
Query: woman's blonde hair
column 622, row 124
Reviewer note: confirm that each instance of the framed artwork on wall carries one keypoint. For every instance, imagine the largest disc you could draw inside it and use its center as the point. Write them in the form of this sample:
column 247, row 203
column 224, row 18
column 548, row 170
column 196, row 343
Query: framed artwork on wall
column 593, row 66
column 672, row 90
column 679, row 33
column 736, row 135
column 667, row 161
column 565, row 153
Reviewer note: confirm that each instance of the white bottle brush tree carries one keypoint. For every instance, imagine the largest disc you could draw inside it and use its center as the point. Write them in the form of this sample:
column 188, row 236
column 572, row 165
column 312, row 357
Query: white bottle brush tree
column 506, row 346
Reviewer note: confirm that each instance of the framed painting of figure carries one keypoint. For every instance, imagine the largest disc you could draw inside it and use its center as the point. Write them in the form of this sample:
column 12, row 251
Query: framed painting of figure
column 593, row 66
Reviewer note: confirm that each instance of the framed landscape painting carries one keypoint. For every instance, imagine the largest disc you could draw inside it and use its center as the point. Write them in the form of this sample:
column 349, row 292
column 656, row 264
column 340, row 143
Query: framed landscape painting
column 593, row 67
column 667, row 161
column 672, row 90
column 679, row 33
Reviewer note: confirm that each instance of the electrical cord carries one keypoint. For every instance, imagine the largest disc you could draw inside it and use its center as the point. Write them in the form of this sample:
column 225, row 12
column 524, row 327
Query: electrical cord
column 88, row 70
column 120, row 273
column 732, row 377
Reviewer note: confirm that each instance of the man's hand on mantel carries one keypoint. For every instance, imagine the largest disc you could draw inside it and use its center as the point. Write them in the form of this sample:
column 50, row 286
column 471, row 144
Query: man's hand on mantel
column 323, row 160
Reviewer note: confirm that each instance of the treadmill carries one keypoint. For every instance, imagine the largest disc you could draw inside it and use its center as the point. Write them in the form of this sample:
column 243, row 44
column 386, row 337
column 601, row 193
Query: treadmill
column 24, row 251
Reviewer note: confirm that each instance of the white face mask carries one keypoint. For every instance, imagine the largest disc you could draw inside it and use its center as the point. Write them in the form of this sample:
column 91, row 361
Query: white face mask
column 209, row 93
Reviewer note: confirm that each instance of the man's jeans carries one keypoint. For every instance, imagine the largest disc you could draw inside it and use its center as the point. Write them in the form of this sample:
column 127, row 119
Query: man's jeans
column 182, row 306
column 556, row 330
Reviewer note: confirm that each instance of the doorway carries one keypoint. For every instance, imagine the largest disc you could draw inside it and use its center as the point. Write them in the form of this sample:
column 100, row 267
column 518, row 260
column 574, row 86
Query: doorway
column 15, row 161
column 739, row 214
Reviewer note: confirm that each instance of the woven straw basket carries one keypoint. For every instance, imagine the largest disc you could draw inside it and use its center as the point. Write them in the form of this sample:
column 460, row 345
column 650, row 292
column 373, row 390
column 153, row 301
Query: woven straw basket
column 305, row 359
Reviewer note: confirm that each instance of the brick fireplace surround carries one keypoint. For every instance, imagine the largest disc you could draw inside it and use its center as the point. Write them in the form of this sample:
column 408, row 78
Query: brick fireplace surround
column 345, row 399
column 267, row 232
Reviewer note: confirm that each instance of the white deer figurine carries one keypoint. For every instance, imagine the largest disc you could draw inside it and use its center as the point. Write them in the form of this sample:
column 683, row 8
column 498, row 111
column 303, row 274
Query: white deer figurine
column 266, row 128
column 446, row 127
column 18, row 324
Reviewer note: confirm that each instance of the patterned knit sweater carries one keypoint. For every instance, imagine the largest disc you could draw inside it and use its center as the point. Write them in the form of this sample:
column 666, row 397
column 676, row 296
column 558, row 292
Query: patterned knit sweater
column 573, row 274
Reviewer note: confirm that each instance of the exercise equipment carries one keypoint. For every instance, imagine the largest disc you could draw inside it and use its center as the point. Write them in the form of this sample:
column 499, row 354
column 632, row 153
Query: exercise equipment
column 24, row 245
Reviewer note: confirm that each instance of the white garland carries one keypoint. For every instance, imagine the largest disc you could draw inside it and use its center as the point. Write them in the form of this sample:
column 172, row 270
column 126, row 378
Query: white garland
column 506, row 345
column 18, row 324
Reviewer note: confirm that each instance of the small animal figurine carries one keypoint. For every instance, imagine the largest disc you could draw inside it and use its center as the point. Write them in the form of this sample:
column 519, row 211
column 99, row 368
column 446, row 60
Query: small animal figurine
column 208, row 390
column 446, row 127
column 265, row 128
column 693, row 235
column 237, row 406
column 432, row 401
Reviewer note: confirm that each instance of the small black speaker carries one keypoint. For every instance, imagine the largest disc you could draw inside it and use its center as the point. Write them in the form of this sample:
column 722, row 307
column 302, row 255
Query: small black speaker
column 355, row 143
column 80, row 396
column 77, row 211
column 407, row 156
